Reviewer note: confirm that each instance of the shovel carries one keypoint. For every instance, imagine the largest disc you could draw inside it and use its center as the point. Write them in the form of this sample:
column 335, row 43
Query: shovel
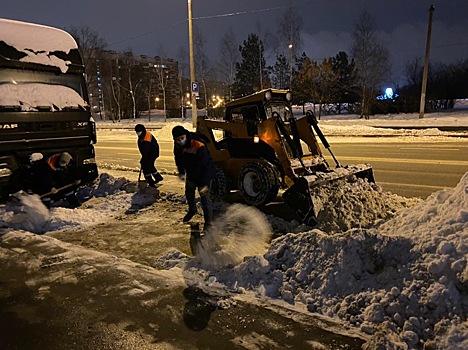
column 141, row 183
column 56, row 190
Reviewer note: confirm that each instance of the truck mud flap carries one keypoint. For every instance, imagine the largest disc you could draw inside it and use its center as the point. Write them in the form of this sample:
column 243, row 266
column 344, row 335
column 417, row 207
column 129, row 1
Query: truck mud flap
column 87, row 173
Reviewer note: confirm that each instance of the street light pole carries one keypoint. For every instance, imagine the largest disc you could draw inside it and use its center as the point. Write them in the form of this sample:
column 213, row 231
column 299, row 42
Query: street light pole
column 192, row 64
column 426, row 65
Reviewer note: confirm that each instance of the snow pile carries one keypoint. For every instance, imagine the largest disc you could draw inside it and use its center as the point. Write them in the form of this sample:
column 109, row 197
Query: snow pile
column 165, row 133
column 107, row 198
column 406, row 285
column 239, row 232
column 354, row 203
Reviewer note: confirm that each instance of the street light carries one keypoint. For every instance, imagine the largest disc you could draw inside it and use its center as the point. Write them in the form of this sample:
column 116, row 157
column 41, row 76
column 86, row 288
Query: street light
column 290, row 65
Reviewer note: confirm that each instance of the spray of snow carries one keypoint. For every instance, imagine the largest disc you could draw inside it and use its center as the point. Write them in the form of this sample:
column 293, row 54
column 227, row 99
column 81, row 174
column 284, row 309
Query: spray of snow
column 27, row 212
column 241, row 231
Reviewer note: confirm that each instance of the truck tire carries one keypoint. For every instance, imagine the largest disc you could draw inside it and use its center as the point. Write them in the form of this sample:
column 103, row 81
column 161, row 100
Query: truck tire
column 258, row 183
column 219, row 186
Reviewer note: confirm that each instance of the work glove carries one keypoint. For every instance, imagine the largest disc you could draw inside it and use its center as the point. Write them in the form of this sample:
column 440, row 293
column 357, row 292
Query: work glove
column 35, row 157
column 204, row 190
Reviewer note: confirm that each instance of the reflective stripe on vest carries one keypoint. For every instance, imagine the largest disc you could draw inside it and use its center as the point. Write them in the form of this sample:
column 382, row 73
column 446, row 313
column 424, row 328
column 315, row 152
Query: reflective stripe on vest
column 53, row 160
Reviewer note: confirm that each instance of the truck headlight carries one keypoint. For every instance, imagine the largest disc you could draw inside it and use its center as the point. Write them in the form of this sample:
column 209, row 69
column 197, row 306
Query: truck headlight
column 89, row 161
column 4, row 172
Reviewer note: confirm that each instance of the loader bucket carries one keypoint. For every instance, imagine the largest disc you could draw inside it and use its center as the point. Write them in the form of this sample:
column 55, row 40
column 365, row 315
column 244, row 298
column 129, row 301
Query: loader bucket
column 299, row 197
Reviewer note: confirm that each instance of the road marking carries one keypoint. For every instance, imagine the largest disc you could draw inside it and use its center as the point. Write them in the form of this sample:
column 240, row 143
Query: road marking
column 402, row 160
column 432, row 148
column 380, row 183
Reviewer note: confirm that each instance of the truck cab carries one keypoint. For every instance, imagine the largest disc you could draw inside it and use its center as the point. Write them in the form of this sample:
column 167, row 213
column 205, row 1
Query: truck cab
column 44, row 105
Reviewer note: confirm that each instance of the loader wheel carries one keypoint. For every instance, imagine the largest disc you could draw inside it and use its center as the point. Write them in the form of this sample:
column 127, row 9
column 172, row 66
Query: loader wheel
column 219, row 186
column 258, row 183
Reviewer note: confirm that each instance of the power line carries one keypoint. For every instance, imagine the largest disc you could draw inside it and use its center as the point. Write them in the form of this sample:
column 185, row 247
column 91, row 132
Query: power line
column 239, row 13
column 147, row 33
column 242, row 12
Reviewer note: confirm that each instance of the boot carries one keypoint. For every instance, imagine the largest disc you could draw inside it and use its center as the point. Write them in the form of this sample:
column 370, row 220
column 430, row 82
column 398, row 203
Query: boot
column 157, row 177
column 150, row 181
column 190, row 214
column 73, row 202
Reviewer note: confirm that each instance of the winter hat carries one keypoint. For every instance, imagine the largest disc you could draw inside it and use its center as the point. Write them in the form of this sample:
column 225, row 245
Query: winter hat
column 65, row 159
column 179, row 130
column 140, row 127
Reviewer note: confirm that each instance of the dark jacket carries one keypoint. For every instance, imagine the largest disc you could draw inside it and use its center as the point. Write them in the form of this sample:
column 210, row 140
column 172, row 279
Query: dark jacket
column 148, row 146
column 194, row 160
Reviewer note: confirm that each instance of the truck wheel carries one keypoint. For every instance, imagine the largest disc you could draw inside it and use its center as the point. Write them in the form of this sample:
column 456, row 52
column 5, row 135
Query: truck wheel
column 219, row 186
column 258, row 183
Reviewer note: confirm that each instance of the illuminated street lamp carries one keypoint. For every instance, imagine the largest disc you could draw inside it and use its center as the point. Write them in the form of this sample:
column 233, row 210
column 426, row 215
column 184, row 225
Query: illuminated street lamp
column 290, row 64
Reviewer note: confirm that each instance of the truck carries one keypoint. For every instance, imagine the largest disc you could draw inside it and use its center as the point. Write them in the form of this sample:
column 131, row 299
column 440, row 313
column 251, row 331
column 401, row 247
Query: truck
column 44, row 104
column 261, row 149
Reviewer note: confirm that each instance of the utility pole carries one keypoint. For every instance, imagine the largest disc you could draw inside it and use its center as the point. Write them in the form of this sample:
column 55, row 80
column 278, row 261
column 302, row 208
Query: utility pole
column 426, row 64
column 192, row 65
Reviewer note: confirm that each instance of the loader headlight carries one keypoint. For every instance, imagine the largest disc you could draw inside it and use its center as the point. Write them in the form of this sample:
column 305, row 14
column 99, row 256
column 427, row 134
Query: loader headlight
column 256, row 139
column 268, row 95
column 289, row 96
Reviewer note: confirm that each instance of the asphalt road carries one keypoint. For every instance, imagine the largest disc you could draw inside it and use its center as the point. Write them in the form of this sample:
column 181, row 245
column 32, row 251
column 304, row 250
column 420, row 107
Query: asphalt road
column 410, row 168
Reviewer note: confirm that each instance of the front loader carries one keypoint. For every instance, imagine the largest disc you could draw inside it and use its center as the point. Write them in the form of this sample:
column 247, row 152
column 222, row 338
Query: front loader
column 260, row 148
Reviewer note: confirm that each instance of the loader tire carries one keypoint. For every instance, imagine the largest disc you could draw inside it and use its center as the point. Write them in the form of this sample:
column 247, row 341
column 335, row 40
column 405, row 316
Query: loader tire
column 258, row 183
column 219, row 186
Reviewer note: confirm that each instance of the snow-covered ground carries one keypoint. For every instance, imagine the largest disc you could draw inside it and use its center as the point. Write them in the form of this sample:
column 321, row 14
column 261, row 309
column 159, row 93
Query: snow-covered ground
column 392, row 267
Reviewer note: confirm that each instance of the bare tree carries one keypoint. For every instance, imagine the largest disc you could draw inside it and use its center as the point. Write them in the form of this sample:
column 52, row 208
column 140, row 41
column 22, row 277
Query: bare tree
column 413, row 71
column 372, row 60
column 229, row 55
column 91, row 47
column 162, row 77
column 202, row 64
column 289, row 36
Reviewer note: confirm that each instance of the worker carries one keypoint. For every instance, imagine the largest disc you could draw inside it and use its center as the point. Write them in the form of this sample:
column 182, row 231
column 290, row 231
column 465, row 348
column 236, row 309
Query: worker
column 53, row 178
column 149, row 150
column 194, row 163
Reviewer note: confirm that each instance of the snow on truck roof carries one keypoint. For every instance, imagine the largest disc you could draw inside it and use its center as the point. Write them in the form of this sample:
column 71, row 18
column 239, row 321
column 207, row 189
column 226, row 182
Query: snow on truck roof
column 35, row 43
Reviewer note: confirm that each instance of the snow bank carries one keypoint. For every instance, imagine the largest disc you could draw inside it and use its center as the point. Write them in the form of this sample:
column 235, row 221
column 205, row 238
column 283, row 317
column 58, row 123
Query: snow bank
column 406, row 283
column 107, row 198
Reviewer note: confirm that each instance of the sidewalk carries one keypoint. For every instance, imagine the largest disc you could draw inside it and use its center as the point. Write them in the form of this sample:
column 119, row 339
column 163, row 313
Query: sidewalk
column 56, row 295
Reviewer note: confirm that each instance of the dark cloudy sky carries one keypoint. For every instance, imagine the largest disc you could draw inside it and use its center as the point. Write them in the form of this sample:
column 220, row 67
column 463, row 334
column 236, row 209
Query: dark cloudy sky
column 150, row 26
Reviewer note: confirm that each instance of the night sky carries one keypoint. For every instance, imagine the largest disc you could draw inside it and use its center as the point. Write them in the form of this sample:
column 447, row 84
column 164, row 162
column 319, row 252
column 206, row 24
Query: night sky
column 159, row 27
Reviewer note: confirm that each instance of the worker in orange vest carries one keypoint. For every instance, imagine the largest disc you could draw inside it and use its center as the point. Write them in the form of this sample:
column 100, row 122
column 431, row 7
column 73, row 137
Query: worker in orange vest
column 54, row 178
column 149, row 150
